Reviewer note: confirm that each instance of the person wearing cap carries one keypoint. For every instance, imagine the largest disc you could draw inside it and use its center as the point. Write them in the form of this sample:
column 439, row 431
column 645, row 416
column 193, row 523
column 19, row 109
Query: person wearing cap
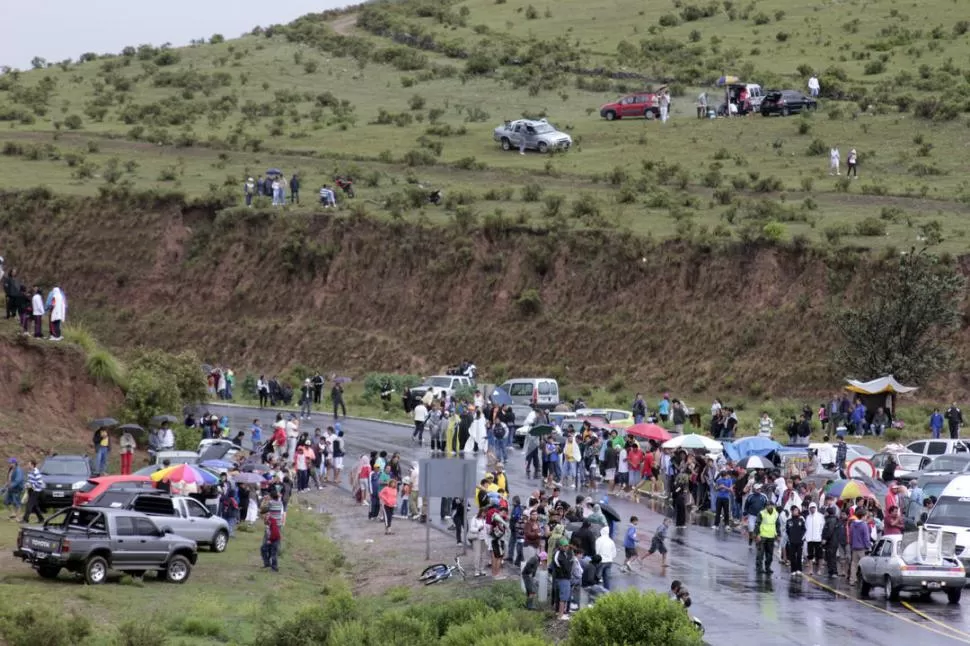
column 249, row 189
column 814, row 528
column 766, row 532
column 499, row 477
column 753, row 505
column 15, row 487
column 530, row 569
column 306, row 399
column 562, row 572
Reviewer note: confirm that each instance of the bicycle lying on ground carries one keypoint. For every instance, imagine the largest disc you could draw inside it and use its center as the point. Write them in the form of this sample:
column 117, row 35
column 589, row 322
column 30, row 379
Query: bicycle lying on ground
column 440, row 571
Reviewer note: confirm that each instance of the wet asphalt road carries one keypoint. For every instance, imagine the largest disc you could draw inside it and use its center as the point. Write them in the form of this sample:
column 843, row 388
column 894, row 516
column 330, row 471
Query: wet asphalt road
column 732, row 601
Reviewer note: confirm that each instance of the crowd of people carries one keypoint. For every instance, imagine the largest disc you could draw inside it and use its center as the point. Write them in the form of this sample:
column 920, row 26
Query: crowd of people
column 29, row 306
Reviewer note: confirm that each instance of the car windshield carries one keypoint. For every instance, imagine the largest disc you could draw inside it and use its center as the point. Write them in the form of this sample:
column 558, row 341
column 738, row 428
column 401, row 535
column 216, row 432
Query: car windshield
column 543, row 128
column 947, row 463
column 439, row 382
column 64, row 468
column 950, row 510
column 909, row 462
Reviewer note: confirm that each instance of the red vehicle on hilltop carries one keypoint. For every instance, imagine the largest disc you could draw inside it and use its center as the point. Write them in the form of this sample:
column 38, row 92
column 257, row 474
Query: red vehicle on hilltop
column 642, row 104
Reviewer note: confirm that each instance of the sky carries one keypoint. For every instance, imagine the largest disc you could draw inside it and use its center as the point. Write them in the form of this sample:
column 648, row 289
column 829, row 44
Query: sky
column 59, row 29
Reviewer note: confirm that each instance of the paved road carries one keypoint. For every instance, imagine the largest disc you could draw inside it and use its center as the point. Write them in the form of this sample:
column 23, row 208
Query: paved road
column 729, row 597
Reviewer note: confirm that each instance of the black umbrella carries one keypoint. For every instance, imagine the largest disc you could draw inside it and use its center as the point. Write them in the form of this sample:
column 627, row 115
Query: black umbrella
column 102, row 422
column 274, row 171
column 577, row 525
column 160, row 419
column 609, row 512
column 251, row 467
column 541, row 429
column 131, row 428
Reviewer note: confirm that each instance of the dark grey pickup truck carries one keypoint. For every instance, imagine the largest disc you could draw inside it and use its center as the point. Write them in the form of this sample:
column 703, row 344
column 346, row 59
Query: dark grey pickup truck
column 91, row 541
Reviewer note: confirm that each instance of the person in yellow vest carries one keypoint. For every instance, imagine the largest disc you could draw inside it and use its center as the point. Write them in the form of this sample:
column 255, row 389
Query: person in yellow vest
column 501, row 479
column 491, row 487
column 766, row 532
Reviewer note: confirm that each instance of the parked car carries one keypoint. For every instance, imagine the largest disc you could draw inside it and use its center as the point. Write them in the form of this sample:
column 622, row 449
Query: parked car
column 218, row 449
column 541, row 391
column 952, row 514
column 755, row 96
column 91, row 541
column 786, row 102
column 186, row 516
column 894, row 564
column 954, row 464
column 441, row 385
column 63, row 475
column 907, row 464
column 643, row 104
column 94, row 487
column 616, row 417
column 177, row 457
column 538, row 135
column 933, row 448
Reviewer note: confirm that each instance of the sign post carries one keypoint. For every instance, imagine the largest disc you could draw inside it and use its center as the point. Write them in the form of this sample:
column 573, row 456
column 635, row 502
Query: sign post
column 445, row 478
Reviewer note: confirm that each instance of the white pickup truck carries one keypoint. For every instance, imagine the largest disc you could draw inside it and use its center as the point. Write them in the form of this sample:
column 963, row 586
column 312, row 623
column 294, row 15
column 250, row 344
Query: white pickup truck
column 441, row 385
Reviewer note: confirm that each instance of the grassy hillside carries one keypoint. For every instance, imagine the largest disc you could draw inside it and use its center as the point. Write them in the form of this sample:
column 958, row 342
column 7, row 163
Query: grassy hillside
column 409, row 92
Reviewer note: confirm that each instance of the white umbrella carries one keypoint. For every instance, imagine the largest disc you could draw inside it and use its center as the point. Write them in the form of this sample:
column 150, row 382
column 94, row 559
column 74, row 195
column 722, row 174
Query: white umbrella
column 693, row 441
column 755, row 462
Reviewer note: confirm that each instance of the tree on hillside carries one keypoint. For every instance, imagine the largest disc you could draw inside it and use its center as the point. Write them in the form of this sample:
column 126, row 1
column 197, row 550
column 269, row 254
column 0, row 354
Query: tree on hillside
column 162, row 383
column 905, row 328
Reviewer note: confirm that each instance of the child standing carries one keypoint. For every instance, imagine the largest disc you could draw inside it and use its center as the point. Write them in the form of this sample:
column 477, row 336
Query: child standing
column 630, row 542
column 657, row 543
column 388, row 499
column 405, row 496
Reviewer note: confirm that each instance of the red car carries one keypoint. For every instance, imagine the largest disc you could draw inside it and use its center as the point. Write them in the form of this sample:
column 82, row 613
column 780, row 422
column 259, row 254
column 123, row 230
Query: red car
column 643, row 104
column 94, row 487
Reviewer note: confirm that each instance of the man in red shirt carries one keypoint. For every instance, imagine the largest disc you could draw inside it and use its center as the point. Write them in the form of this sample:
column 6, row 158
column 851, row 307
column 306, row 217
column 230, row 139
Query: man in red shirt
column 647, row 470
column 634, row 458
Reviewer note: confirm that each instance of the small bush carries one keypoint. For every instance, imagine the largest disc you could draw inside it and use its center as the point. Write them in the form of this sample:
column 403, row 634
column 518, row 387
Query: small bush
column 532, row 192
column 660, row 621
column 669, row 20
column 33, row 626
column 874, row 67
column 817, row 148
column 529, row 303
column 105, row 368
column 416, row 102
column 73, row 122
column 871, row 227
column 138, row 632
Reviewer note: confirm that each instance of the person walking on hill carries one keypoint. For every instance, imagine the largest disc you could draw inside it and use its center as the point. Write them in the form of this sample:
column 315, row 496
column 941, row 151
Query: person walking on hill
column 35, row 485
column 813, row 86
column 295, row 189
column 834, row 159
column 853, row 163
column 954, row 420
column 15, row 487
column 249, row 188
column 37, row 312
column 57, row 305
column 11, row 288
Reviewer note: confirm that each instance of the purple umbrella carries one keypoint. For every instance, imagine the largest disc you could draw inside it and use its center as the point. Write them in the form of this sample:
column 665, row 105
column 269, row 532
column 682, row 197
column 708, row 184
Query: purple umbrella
column 248, row 478
column 342, row 380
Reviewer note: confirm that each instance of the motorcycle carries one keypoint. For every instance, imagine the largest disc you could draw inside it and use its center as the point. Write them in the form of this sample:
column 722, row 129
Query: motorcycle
column 434, row 197
column 345, row 184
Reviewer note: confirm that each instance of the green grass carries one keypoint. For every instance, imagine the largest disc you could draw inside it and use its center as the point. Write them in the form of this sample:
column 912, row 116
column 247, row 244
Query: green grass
column 105, row 367
column 672, row 181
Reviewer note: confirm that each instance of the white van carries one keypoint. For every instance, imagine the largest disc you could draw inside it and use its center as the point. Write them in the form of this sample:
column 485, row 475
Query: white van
column 541, row 391
column 952, row 514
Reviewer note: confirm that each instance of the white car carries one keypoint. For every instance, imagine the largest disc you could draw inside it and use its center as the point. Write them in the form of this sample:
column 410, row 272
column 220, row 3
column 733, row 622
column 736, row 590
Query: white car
column 441, row 385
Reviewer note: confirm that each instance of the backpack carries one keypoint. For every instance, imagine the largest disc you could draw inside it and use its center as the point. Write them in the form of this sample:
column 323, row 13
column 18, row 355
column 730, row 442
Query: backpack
column 498, row 529
column 273, row 526
column 498, row 431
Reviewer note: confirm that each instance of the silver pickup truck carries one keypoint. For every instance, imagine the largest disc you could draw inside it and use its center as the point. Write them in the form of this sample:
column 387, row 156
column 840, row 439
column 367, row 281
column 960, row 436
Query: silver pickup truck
column 91, row 542
column 186, row 516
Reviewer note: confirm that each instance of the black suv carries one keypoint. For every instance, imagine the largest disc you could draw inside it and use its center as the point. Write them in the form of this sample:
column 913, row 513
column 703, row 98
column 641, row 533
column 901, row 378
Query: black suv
column 63, row 475
column 786, row 102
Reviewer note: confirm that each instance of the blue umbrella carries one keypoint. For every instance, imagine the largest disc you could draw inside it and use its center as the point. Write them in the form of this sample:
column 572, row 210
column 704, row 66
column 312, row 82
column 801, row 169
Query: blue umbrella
column 274, row 171
column 218, row 464
column 501, row 398
column 748, row 446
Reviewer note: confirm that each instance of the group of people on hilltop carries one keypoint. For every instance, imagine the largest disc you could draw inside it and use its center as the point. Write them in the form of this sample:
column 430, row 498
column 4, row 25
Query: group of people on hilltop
column 30, row 307
column 274, row 187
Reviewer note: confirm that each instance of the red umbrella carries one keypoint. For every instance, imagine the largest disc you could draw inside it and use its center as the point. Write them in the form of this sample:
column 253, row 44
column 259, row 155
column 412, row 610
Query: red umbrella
column 646, row 431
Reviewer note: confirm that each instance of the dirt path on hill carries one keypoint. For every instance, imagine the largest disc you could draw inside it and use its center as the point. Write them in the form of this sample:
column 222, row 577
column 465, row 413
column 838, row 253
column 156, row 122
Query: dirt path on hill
column 344, row 24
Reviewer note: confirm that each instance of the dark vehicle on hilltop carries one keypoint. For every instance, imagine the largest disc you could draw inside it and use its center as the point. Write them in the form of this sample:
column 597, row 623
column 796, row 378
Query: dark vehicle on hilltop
column 91, row 541
column 786, row 102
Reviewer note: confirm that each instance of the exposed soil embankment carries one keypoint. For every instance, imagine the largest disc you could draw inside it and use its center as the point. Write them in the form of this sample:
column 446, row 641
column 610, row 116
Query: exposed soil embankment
column 46, row 395
column 344, row 293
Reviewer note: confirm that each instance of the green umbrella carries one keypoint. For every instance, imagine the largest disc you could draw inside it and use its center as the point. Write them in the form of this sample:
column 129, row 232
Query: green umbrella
column 541, row 429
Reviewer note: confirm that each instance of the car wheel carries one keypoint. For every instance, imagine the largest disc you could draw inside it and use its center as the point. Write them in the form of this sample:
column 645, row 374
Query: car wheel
column 95, row 570
column 862, row 586
column 48, row 572
column 610, row 115
column 785, row 112
column 649, row 114
column 506, row 144
column 892, row 592
column 219, row 542
column 953, row 596
column 178, row 570
column 543, row 147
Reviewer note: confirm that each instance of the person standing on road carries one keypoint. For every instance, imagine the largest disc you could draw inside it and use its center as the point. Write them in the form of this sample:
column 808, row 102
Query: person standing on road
column 388, row 496
column 814, row 530
column 337, row 397
column 724, row 490
column 420, row 415
column 35, row 485
column 630, row 544
column 101, row 448
column 306, row 399
column 318, row 382
column 795, row 529
column 606, row 550
column 954, row 419
column 262, row 389
column 15, row 487
column 766, row 530
column 860, row 541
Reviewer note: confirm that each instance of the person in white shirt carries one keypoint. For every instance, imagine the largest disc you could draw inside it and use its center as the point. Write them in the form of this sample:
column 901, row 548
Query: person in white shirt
column 814, row 522
column 276, row 192
column 765, row 426
column 57, row 304
column 479, row 400
column 834, row 158
column 327, row 197
column 420, row 417
column 813, row 86
column 166, row 438
column 606, row 549
column 37, row 312
column 292, row 433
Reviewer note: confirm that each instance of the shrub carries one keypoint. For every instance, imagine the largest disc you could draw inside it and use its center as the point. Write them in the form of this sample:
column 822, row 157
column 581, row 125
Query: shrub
column 769, row 184
column 669, row 20
column 79, row 335
column 660, row 621
column 373, row 383
column 531, row 192
column 871, row 227
column 105, row 367
column 529, row 303
column 138, row 632
column 817, row 148
column 531, row 13
column 31, row 625
column 874, row 67
column 416, row 102
column 73, row 122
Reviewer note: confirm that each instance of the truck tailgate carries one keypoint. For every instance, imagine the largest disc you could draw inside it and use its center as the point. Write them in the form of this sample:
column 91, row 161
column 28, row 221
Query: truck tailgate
column 42, row 542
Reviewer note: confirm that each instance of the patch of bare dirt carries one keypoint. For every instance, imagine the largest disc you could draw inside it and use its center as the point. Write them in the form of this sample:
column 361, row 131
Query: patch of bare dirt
column 344, row 24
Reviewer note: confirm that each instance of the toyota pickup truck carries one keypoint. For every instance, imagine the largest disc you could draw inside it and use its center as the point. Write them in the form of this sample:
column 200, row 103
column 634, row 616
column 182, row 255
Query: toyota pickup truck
column 90, row 542
column 185, row 516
